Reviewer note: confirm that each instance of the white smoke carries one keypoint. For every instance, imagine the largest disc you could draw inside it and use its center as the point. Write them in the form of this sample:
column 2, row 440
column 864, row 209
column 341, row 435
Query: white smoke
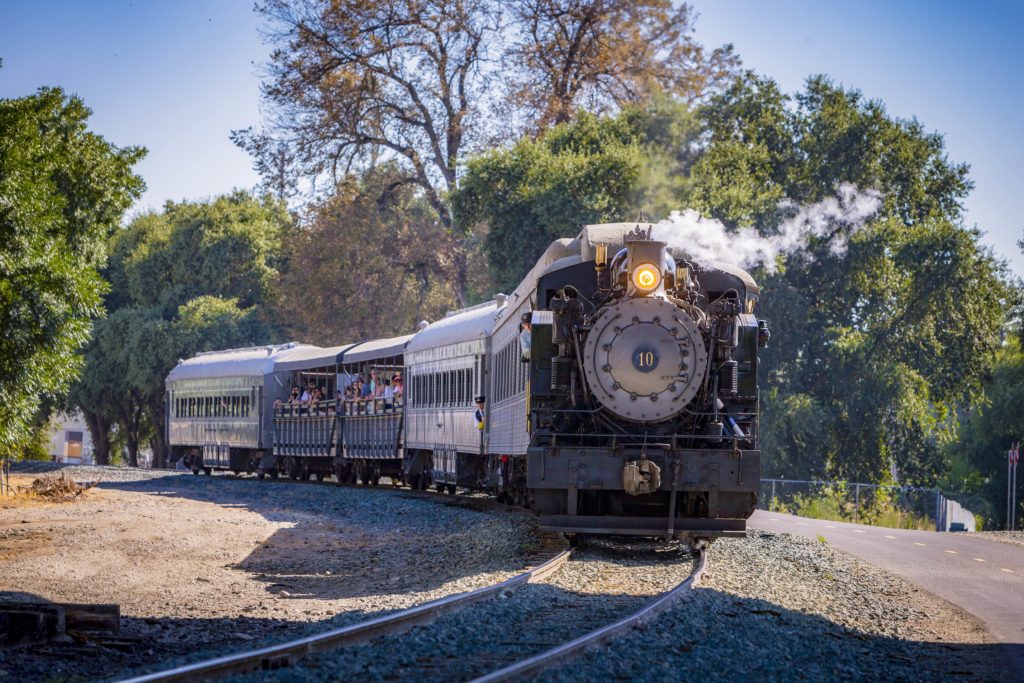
column 706, row 239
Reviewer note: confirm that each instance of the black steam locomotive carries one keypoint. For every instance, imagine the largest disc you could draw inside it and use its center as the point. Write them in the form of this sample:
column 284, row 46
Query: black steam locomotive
column 621, row 396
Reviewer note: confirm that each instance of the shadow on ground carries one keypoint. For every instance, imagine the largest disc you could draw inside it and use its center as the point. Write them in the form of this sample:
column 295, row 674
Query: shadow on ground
column 345, row 542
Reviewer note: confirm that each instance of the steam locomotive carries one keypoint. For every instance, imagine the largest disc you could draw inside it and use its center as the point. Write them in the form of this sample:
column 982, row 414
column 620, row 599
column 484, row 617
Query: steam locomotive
column 621, row 393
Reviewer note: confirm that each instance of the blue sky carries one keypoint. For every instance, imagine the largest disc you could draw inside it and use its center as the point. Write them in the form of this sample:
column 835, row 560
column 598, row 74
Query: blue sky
column 177, row 77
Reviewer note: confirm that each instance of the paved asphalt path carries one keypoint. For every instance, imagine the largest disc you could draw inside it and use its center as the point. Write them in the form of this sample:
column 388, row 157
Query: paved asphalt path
column 986, row 578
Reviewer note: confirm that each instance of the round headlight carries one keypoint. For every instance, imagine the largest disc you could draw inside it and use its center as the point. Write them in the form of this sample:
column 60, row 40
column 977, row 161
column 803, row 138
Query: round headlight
column 646, row 277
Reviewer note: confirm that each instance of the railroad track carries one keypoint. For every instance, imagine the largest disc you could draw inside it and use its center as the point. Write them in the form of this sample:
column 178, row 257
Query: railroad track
column 565, row 652
column 287, row 654
column 508, row 665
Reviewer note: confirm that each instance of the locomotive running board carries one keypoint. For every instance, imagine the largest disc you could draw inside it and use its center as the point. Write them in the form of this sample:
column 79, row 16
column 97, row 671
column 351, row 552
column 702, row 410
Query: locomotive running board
column 643, row 526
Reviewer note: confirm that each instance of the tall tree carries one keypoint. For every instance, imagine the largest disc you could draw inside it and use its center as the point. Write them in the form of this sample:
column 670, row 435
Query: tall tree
column 197, row 277
column 875, row 348
column 353, row 83
column 602, row 54
column 589, row 170
column 375, row 240
column 63, row 190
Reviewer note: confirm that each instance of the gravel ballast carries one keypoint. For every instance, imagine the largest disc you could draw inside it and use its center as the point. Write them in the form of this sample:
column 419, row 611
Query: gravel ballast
column 1011, row 537
column 207, row 565
column 775, row 607
column 596, row 587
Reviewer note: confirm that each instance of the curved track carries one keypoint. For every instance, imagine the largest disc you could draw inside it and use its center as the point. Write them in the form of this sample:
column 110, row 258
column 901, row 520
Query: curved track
column 286, row 654
column 565, row 652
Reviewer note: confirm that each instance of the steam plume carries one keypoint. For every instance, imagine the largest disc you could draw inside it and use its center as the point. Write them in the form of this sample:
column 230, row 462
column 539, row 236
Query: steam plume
column 706, row 239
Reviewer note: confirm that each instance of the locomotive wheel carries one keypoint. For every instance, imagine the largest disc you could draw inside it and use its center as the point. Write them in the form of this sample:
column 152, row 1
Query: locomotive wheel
column 208, row 470
column 320, row 476
column 195, row 471
column 275, row 473
column 439, row 487
column 451, row 489
column 260, row 473
column 304, row 473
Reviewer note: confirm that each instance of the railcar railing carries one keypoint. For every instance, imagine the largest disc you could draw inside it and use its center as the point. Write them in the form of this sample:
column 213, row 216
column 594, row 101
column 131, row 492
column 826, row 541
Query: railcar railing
column 308, row 429
column 357, row 428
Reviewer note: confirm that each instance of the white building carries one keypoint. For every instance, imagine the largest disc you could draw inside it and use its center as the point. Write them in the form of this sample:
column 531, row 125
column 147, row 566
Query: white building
column 69, row 439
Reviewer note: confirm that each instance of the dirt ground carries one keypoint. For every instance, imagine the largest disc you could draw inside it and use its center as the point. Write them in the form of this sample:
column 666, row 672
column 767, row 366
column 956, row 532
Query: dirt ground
column 200, row 564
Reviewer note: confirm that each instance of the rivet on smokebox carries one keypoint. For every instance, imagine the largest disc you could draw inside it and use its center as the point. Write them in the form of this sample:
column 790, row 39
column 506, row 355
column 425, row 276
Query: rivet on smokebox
column 632, row 396
column 607, row 368
column 654, row 397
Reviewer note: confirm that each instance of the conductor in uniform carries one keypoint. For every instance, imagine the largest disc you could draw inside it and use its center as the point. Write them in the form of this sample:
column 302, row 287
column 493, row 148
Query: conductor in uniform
column 481, row 407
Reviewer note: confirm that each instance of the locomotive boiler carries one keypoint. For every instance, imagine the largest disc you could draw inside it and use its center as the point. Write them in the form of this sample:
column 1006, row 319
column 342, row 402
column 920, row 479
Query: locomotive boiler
column 643, row 399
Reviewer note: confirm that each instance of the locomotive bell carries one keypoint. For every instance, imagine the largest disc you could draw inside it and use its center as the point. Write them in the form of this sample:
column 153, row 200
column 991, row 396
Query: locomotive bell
column 645, row 263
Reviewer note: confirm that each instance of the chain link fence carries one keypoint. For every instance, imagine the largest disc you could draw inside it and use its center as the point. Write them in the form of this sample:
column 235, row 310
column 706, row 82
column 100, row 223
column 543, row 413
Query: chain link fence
column 898, row 507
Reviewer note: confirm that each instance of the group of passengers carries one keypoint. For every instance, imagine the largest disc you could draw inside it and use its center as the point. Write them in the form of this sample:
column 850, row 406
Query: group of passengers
column 389, row 390
column 374, row 387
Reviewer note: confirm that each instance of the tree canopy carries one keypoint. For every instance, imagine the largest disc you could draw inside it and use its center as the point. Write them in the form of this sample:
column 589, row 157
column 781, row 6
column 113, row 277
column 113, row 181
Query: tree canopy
column 422, row 83
column 197, row 277
column 371, row 262
column 874, row 348
column 63, row 190
column 590, row 170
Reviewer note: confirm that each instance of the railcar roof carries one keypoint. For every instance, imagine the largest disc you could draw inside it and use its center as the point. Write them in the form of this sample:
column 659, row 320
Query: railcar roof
column 248, row 362
column 376, row 348
column 311, row 357
column 469, row 325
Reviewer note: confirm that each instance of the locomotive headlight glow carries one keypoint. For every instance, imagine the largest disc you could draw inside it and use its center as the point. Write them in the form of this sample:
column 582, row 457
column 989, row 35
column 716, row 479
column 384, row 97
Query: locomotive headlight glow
column 646, row 277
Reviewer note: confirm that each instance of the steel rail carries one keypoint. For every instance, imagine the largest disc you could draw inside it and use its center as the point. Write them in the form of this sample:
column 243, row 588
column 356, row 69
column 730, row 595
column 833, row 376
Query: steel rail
column 286, row 654
column 567, row 651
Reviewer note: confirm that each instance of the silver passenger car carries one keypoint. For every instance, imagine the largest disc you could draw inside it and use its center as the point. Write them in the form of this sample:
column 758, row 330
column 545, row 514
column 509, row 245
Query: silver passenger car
column 446, row 369
column 220, row 407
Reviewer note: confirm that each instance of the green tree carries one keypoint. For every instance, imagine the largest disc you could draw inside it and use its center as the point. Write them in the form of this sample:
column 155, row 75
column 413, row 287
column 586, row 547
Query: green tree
column 375, row 240
column 199, row 276
column 63, row 190
column 875, row 348
column 978, row 457
column 590, row 170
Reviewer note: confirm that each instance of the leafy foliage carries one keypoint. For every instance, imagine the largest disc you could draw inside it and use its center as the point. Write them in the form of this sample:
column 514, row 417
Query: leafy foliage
column 874, row 349
column 63, row 190
column 197, row 277
column 590, row 170
column 371, row 263
column 606, row 54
